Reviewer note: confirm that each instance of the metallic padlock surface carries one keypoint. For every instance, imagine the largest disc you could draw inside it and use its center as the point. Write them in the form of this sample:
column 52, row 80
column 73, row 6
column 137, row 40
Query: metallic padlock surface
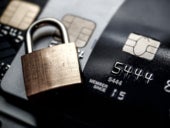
column 50, row 68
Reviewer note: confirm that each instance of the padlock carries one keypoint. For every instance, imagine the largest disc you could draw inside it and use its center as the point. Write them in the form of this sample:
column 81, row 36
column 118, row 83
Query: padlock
column 50, row 68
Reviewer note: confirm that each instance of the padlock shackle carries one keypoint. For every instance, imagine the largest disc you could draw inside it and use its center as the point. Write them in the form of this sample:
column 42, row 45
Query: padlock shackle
column 41, row 23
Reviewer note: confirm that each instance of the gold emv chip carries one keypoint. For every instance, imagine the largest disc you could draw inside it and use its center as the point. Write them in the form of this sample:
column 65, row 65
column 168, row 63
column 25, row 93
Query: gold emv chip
column 19, row 14
column 79, row 29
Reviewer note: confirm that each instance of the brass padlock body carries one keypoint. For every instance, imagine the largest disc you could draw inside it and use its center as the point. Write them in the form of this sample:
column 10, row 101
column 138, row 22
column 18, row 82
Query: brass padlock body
column 51, row 68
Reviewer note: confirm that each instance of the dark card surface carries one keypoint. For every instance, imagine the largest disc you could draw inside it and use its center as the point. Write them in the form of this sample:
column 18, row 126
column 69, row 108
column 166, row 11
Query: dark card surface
column 140, row 83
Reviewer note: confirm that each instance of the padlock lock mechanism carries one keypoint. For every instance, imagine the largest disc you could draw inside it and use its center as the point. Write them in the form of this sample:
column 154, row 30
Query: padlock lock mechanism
column 50, row 68
column 44, row 22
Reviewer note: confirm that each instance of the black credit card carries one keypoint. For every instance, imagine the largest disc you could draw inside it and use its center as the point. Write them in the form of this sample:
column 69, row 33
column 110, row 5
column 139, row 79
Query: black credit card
column 129, row 65
column 16, row 16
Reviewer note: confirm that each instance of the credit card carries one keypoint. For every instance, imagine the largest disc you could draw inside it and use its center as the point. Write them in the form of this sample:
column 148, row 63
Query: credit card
column 129, row 65
column 15, row 18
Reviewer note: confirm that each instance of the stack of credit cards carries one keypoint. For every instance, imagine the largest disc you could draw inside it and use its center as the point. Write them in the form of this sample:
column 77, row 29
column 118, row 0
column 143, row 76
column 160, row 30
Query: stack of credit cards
column 85, row 23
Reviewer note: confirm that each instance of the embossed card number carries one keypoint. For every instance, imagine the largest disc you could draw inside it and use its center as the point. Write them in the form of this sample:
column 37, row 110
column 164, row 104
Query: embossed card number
column 128, row 70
